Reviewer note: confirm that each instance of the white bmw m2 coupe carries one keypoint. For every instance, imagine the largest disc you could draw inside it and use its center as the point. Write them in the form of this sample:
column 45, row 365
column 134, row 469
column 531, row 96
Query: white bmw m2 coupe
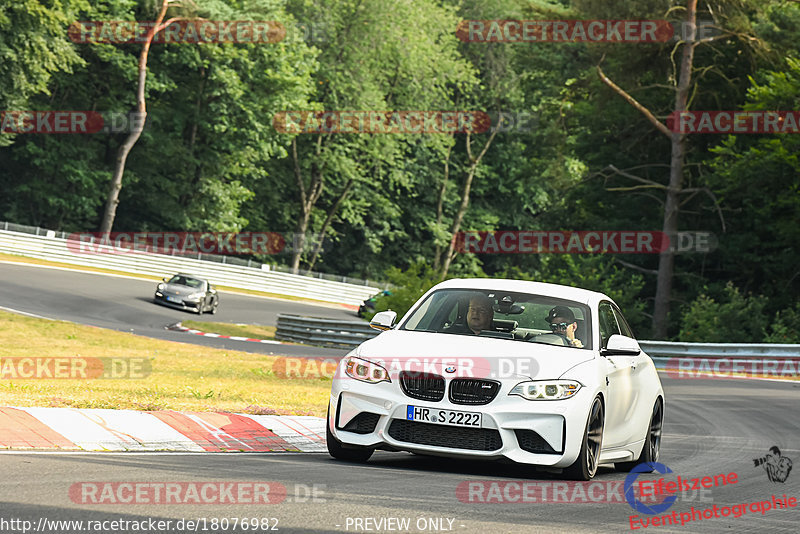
column 537, row 373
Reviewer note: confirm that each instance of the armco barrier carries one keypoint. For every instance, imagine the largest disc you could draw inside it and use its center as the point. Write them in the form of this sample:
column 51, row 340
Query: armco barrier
column 325, row 332
column 350, row 334
column 49, row 247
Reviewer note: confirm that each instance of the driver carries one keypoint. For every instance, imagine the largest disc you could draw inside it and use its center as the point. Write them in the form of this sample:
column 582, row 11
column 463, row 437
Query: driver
column 562, row 322
column 480, row 315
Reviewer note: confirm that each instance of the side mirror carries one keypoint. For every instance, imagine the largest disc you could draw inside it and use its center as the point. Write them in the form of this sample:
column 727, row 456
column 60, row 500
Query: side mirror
column 165, row 279
column 383, row 320
column 619, row 345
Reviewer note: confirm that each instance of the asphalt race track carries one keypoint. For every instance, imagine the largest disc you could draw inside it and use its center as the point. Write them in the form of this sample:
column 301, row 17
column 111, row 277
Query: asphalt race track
column 126, row 304
column 712, row 427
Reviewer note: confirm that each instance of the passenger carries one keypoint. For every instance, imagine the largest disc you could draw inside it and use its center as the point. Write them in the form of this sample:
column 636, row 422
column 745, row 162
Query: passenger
column 562, row 322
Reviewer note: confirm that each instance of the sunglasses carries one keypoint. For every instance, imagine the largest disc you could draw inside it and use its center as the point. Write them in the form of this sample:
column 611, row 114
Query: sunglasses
column 559, row 326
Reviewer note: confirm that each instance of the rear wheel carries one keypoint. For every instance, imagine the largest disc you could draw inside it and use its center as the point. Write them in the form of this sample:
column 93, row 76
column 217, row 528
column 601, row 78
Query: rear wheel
column 585, row 466
column 338, row 451
column 652, row 444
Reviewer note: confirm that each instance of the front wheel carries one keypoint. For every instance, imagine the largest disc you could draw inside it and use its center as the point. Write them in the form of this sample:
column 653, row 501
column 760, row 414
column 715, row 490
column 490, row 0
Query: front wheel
column 338, row 451
column 652, row 444
column 585, row 466
column 214, row 307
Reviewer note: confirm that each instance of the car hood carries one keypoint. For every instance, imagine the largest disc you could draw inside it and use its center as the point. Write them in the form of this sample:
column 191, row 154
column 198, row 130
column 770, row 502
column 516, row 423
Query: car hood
column 489, row 357
column 178, row 289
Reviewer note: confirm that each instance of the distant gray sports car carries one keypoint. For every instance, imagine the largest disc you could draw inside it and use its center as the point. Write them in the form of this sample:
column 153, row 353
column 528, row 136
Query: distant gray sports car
column 187, row 292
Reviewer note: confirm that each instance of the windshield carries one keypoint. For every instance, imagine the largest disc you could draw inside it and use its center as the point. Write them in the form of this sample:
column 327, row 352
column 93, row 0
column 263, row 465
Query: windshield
column 186, row 281
column 502, row 314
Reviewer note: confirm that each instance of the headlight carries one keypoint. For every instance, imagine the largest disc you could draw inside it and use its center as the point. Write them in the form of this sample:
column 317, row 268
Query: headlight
column 546, row 389
column 196, row 296
column 365, row 370
column 160, row 287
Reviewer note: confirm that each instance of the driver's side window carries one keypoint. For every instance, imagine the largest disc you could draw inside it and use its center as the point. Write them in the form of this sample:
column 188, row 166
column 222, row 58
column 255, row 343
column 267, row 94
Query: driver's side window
column 608, row 323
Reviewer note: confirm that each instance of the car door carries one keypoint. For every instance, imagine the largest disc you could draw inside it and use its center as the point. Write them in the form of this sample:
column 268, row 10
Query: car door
column 640, row 406
column 619, row 401
column 206, row 296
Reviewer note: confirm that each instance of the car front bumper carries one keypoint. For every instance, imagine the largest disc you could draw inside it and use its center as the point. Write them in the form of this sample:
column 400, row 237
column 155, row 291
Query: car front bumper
column 546, row 433
column 185, row 304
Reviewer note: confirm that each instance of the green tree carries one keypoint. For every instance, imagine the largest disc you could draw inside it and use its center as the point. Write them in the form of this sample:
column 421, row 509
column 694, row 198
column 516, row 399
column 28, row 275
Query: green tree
column 735, row 318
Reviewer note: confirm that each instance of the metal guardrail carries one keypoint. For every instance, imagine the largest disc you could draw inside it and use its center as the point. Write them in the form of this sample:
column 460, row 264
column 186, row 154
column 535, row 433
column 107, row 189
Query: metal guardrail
column 350, row 334
column 233, row 272
column 325, row 332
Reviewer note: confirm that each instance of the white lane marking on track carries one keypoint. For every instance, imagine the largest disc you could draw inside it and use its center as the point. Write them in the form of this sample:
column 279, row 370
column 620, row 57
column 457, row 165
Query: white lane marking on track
column 12, row 310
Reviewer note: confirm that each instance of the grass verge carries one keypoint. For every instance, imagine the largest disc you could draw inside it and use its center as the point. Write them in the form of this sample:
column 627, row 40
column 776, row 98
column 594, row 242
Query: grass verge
column 182, row 376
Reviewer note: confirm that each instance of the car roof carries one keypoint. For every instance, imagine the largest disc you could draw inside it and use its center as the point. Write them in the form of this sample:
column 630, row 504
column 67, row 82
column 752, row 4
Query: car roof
column 191, row 276
column 524, row 286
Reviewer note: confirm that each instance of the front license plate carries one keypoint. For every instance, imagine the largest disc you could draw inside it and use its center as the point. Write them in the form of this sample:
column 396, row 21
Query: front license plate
column 444, row 417
column 175, row 299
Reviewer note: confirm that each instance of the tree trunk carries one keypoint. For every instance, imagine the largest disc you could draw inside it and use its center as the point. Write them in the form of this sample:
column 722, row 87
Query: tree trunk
column 666, row 260
column 328, row 220
column 462, row 209
column 437, row 258
column 112, row 201
column 308, row 197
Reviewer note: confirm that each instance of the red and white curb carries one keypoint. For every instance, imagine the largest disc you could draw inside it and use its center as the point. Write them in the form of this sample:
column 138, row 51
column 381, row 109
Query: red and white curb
column 163, row 430
column 181, row 328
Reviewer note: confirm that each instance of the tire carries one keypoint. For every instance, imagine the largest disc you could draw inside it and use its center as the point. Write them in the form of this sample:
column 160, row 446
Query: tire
column 200, row 308
column 585, row 466
column 214, row 307
column 652, row 443
column 338, row 451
